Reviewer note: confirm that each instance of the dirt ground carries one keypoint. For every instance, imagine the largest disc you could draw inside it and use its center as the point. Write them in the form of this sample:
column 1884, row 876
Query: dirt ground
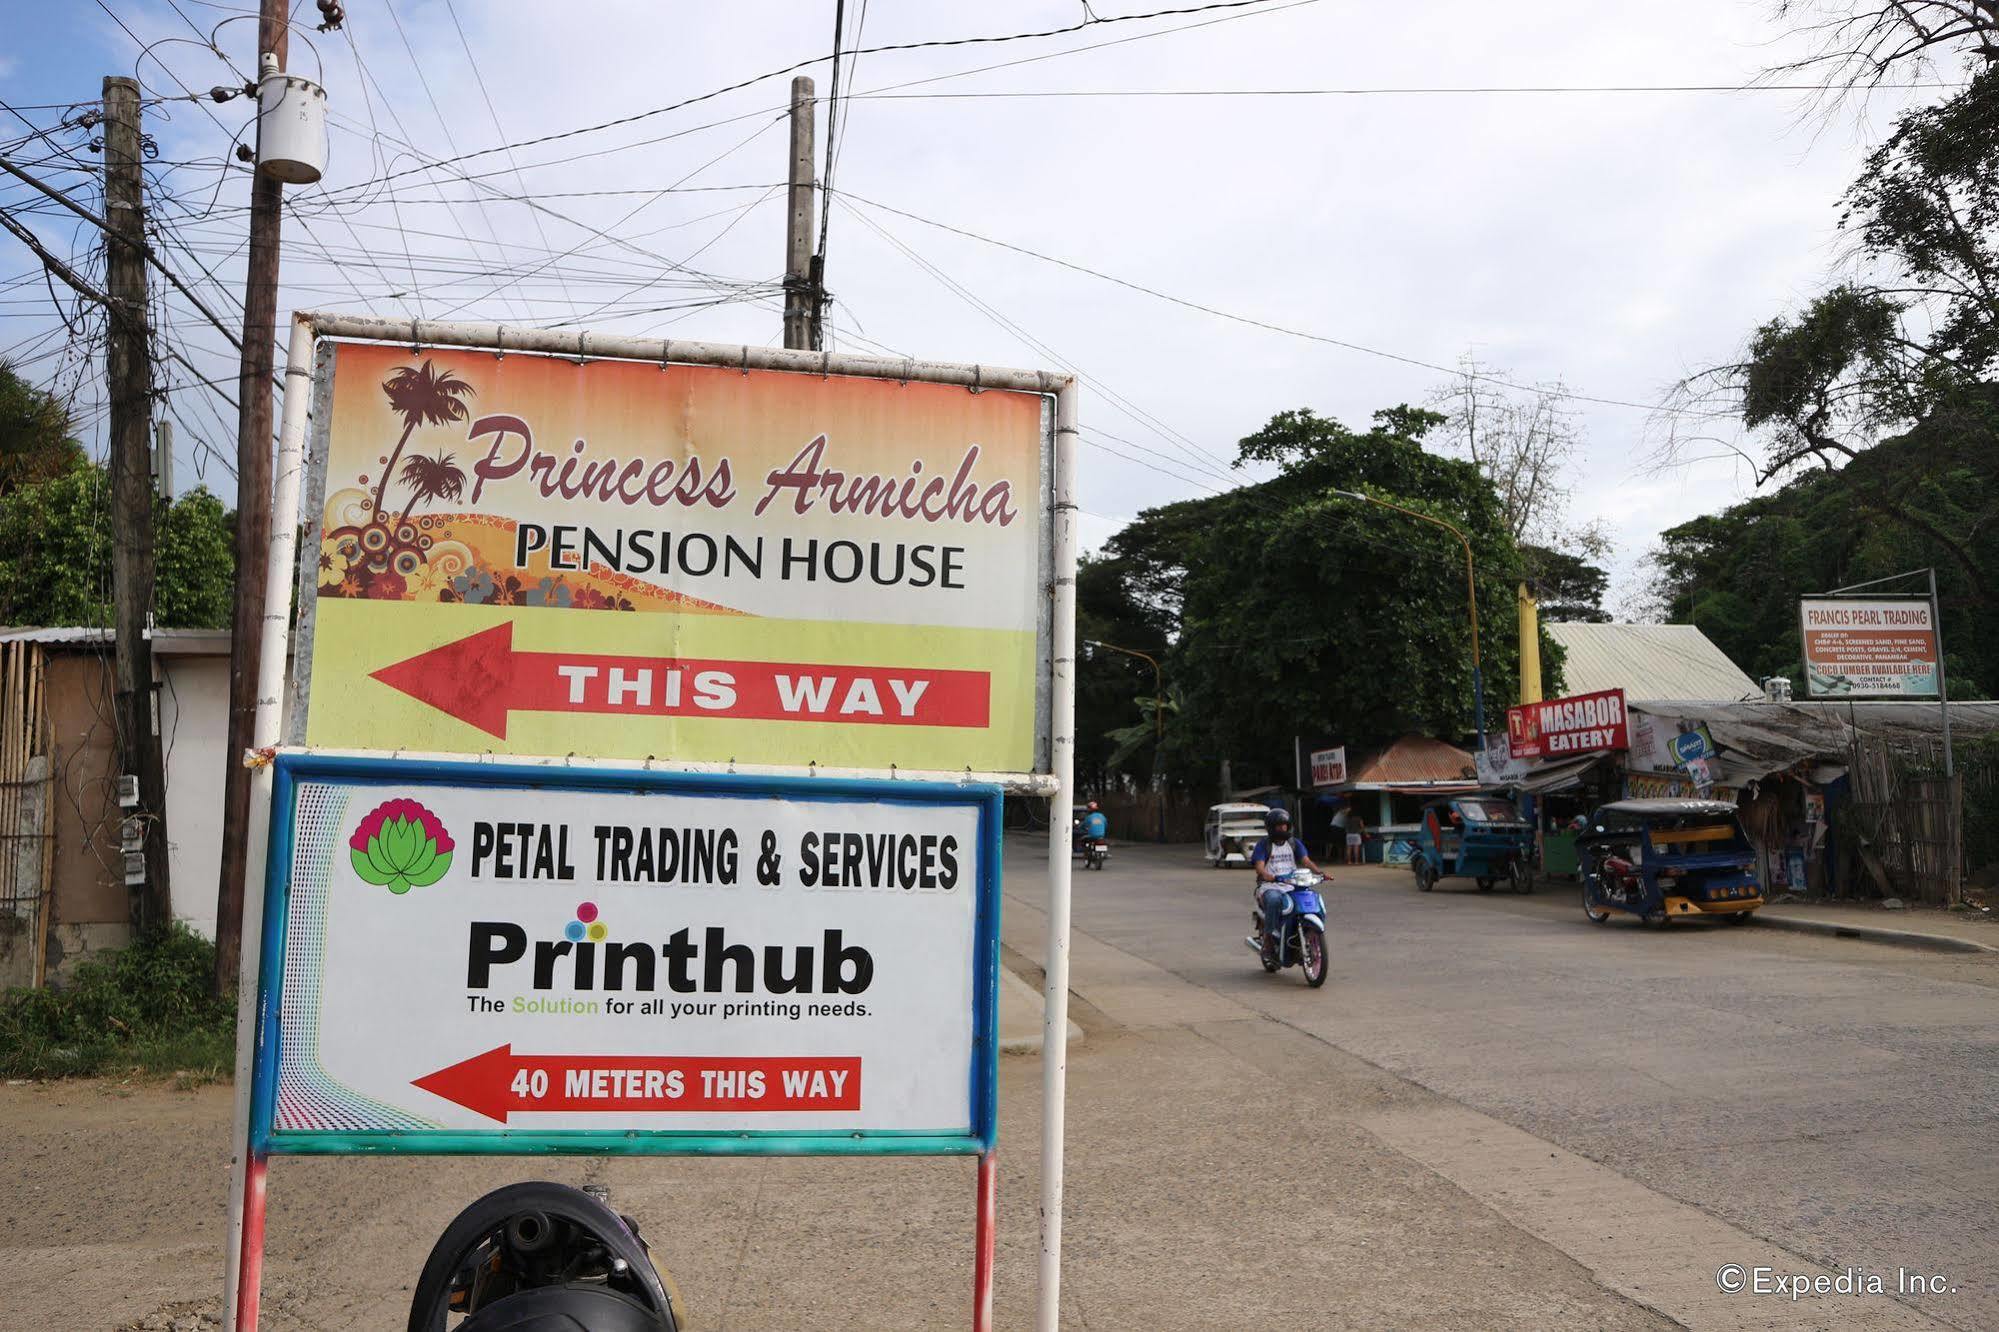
column 1205, row 1190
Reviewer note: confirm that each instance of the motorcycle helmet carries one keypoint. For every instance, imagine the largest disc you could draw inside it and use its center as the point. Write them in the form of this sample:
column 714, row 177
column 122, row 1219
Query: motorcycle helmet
column 1093, row 807
column 1276, row 817
column 542, row 1258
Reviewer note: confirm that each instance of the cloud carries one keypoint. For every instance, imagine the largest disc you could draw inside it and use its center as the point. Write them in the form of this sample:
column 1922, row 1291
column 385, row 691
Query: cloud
column 1613, row 240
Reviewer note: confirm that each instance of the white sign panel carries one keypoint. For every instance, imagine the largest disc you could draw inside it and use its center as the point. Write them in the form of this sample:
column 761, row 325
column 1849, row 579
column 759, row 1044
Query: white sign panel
column 1329, row 766
column 1883, row 647
column 695, row 959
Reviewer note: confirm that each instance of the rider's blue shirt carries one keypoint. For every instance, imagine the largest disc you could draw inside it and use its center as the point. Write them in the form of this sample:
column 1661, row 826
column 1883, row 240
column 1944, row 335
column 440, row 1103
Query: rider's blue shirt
column 1260, row 855
column 1095, row 824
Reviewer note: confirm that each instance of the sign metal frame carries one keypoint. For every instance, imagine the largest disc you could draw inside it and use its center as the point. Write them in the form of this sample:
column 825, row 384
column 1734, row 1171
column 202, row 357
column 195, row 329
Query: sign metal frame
column 301, row 439
column 292, row 768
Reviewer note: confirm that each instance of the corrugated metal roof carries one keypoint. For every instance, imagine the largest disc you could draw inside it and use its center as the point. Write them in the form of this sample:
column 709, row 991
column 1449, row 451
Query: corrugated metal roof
column 1664, row 662
column 1413, row 758
column 168, row 642
column 1776, row 735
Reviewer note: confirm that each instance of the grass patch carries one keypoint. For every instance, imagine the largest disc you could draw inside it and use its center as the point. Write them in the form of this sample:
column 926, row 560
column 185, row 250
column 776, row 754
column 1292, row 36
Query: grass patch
column 145, row 1008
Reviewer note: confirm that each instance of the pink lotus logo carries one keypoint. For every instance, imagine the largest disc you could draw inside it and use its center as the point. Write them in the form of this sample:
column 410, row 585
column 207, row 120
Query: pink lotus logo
column 400, row 846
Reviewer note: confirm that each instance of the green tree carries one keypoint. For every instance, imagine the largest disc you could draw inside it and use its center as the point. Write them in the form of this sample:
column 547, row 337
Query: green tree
column 1907, row 347
column 55, row 554
column 1876, row 403
column 1737, row 574
column 1110, row 684
column 35, row 435
column 1294, row 612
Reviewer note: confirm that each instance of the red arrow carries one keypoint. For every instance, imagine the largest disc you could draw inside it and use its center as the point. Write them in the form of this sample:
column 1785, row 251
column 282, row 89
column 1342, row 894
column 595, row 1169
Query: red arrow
column 480, row 679
column 500, row 1082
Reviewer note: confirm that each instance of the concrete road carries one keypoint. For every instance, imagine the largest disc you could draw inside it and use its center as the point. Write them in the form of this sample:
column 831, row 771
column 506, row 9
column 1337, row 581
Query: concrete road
column 1654, row 1104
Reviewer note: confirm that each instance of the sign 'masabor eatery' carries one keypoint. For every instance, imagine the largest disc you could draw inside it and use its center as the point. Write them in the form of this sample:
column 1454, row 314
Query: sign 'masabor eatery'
column 660, row 957
column 1560, row 727
column 526, row 555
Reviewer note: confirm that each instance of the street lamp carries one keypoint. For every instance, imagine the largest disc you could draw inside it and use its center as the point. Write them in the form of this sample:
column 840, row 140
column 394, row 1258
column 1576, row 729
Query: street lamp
column 1471, row 597
column 1158, row 716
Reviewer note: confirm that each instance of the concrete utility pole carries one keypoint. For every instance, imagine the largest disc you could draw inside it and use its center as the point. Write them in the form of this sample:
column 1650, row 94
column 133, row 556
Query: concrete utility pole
column 800, row 297
column 253, row 521
column 129, row 369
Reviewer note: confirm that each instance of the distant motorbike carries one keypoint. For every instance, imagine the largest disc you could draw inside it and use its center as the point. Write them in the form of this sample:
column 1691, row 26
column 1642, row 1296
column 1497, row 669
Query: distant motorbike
column 1301, row 935
column 1095, row 851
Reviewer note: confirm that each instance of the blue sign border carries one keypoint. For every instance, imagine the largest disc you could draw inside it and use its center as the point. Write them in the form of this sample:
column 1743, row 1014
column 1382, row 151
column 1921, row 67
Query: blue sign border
column 291, row 769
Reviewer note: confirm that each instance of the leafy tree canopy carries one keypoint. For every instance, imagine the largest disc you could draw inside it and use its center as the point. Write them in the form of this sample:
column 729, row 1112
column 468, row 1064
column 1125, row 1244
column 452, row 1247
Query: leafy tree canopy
column 1737, row 574
column 35, row 438
column 1292, row 611
column 55, row 554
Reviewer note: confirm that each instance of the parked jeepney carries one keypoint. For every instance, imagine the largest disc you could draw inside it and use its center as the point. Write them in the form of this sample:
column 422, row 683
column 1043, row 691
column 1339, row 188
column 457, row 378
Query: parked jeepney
column 1658, row 859
column 1480, row 837
column 1232, row 832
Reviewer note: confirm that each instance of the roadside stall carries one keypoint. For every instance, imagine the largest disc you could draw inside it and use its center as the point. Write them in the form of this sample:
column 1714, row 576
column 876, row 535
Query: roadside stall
column 1558, row 758
column 1389, row 786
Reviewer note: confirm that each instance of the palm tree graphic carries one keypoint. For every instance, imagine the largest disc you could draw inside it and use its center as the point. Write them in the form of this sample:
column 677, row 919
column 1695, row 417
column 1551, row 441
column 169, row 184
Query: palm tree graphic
column 430, row 479
column 426, row 396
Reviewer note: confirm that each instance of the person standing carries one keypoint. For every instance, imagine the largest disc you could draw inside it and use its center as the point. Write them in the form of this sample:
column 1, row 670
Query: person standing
column 1356, row 837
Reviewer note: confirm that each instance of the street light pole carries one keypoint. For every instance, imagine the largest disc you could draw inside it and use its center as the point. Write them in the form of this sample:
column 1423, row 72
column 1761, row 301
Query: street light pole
column 1158, row 717
column 1471, row 599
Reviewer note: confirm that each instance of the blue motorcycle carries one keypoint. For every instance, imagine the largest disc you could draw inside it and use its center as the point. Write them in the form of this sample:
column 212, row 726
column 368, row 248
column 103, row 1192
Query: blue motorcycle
column 1301, row 934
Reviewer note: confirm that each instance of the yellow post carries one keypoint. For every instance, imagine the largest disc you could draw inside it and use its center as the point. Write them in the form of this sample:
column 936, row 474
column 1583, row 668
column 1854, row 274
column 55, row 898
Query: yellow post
column 1530, row 647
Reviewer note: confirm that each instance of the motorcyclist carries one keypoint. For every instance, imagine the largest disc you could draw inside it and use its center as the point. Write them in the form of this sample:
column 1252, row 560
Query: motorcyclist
column 1095, row 826
column 1272, row 858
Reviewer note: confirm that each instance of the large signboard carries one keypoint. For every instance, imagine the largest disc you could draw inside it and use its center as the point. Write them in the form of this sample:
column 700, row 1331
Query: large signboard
column 1329, row 766
column 1875, row 647
column 490, row 959
column 522, row 554
column 1566, row 727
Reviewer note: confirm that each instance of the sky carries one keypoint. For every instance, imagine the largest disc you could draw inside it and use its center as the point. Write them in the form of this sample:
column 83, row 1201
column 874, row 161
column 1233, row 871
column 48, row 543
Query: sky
column 1616, row 241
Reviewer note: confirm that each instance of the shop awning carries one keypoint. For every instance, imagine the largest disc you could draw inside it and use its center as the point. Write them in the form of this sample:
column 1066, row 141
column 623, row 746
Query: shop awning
column 1556, row 776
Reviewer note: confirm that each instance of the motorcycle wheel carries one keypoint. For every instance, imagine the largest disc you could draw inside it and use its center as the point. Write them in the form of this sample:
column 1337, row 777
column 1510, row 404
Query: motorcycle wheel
column 1596, row 916
column 1313, row 944
column 1522, row 881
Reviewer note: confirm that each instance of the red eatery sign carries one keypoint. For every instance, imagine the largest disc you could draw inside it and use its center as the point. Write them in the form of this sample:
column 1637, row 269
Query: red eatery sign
column 1561, row 727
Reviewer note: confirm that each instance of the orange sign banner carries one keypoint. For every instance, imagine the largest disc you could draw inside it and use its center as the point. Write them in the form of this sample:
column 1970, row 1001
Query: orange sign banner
column 523, row 554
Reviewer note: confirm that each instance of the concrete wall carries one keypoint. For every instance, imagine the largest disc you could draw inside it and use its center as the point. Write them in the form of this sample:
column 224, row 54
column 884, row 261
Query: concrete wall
column 91, row 902
column 194, row 730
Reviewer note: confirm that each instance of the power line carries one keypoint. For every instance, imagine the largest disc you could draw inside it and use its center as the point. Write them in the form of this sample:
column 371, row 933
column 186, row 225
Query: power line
column 1384, row 91
column 1035, row 344
column 1088, row 22
column 1266, row 325
column 423, row 81
column 146, row 251
column 479, row 77
column 635, row 211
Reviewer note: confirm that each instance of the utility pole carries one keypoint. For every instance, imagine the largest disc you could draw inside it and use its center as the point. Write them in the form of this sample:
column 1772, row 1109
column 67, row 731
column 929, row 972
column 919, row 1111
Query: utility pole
column 800, row 292
column 129, row 369
column 253, row 519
